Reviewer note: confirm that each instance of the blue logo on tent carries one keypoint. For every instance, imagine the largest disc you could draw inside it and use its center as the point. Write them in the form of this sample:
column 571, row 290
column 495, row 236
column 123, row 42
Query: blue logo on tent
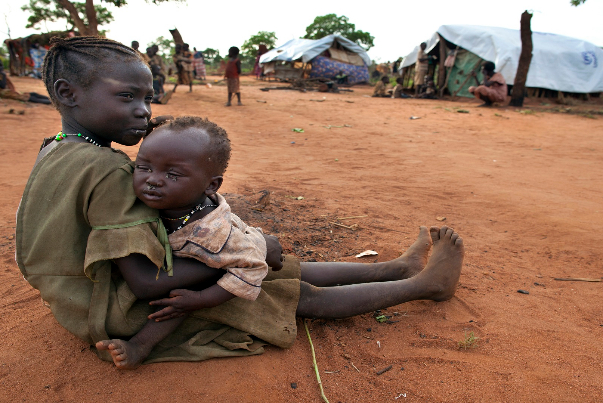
column 589, row 58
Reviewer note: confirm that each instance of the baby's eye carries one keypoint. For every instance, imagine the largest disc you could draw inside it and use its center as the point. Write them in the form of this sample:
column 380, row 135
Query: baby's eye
column 172, row 176
column 127, row 95
column 143, row 168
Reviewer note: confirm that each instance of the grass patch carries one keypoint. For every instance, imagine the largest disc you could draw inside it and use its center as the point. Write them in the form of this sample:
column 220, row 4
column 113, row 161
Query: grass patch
column 470, row 341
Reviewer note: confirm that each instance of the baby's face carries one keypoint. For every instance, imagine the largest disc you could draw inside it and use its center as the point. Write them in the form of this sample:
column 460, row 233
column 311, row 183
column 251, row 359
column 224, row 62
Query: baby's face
column 174, row 171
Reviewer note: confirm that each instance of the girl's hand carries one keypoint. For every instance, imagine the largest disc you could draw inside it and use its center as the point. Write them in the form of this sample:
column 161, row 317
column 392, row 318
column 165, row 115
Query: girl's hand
column 153, row 123
column 178, row 304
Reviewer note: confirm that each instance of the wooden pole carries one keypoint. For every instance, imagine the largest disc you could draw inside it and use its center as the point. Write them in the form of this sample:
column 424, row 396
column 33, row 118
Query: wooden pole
column 176, row 35
column 442, row 70
column 519, row 86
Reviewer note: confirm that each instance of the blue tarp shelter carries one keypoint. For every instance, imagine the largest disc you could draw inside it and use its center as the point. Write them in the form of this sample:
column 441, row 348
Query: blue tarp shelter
column 321, row 58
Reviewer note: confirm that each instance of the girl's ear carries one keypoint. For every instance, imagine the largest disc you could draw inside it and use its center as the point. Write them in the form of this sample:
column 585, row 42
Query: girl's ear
column 65, row 92
column 214, row 185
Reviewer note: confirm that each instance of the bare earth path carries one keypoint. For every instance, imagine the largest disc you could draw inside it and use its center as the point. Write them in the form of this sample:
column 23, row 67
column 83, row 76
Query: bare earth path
column 524, row 190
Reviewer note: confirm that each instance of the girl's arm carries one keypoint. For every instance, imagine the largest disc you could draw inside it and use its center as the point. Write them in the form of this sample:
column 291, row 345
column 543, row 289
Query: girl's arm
column 239, row 66
column 141, row 276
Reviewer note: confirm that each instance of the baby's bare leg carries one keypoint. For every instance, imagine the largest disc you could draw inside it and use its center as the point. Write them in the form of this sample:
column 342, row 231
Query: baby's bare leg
column 326, row 274
column 436, row 282
column 130, row 354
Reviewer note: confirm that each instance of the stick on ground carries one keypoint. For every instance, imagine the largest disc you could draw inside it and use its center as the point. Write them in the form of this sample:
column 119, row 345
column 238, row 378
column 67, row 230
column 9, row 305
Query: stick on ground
column 322, row 392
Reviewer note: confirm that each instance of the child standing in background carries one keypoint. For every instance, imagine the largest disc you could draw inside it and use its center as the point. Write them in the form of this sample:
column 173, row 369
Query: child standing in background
column 233, row 69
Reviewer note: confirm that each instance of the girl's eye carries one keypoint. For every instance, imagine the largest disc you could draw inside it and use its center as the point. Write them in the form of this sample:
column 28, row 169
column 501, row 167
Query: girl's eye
column 172, row 177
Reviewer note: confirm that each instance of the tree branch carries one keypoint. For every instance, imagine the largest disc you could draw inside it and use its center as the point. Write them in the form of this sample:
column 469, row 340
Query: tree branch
column 79, row 23
column 91, row 15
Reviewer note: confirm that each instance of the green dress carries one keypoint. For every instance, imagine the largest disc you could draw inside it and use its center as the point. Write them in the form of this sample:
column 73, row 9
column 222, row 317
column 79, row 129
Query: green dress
column 78, row 187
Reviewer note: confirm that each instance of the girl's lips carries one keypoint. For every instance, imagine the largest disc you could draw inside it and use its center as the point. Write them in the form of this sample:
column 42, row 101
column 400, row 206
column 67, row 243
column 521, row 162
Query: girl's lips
column 138, row 132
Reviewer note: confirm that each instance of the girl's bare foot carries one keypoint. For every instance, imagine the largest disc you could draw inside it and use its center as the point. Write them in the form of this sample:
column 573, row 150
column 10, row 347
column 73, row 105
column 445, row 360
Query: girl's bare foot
column 415, row 257
column 125, row 354
column 441, row 275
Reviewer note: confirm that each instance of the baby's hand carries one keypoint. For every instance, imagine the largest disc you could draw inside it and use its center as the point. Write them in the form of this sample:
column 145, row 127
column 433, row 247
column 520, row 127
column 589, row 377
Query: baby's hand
column 178, row 304
column 153, row 123
column 274, row 254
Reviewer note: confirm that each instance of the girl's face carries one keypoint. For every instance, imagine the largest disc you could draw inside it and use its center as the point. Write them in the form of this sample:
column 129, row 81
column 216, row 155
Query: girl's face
column 174, row 171
column 117, row 106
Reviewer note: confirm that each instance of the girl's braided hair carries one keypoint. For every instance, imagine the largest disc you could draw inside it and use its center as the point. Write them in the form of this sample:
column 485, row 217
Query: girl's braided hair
column 218, row 138
column 77, row 60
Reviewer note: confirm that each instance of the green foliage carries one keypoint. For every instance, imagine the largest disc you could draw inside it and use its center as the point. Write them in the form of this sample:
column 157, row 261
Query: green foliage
column 212, row 57
column 166, row 48
column 250, row 46
column 43, row 11
column 576, row 3
column 249, row 50
column 332, row 24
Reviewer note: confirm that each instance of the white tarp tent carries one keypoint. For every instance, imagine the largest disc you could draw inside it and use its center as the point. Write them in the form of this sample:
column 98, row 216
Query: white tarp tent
column 558, row 62
column 308, row 49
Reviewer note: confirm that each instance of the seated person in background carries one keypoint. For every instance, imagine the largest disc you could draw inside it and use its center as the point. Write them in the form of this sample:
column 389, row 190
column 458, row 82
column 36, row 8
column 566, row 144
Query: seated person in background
column 7, row 90
column 399, row 89
column 494, row 88
column 342, row 78
column 381, row 88
column 428, row 91
column 159, row 94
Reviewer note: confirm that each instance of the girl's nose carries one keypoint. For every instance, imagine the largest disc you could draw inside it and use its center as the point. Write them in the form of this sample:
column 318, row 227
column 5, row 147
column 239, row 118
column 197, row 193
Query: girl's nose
column 143, row 111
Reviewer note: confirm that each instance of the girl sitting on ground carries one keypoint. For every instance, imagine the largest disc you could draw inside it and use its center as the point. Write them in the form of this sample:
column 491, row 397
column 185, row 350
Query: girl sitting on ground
column 100, row 274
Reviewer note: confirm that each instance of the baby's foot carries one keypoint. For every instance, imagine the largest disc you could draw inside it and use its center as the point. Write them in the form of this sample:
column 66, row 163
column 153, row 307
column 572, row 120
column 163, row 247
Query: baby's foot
column 125, row 354
column 441, row 275
column 414, row 259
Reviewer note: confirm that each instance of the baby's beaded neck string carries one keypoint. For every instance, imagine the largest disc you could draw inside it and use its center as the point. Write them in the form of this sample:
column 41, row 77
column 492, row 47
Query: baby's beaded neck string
column 187, row 217
column 60, row 136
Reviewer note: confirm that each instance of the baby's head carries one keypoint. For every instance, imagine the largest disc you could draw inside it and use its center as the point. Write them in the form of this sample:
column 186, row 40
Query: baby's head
column 181, row 163
column 100, row 87
column 400, row 80
column 385, row 79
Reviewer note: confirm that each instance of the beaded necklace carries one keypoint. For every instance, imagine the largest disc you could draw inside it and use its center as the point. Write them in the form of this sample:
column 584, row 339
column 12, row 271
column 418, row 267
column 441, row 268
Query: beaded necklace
column 60, row 136
column 187, row 217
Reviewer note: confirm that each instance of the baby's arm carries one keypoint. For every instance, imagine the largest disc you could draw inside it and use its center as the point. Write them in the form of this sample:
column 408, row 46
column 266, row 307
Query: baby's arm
column 140, row 275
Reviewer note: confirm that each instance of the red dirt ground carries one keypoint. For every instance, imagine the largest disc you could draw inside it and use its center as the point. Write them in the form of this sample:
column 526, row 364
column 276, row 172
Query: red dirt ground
column 520, row 188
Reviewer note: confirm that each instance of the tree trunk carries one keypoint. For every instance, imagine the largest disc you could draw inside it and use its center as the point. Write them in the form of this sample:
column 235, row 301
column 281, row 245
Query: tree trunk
column 519, row 86
column 91, row 15
column 79, row 23
column 442, row 68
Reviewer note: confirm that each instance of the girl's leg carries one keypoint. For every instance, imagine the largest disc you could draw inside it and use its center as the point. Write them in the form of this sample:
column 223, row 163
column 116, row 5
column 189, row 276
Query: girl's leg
column 436, row 282
column 327, row 274
column 131, row 353
column 239, row 98
column 229, row 99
